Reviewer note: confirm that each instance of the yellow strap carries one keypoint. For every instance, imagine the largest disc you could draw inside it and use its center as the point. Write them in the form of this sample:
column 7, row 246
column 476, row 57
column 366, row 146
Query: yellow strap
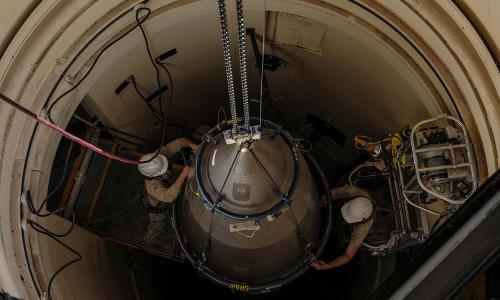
column 395, row 144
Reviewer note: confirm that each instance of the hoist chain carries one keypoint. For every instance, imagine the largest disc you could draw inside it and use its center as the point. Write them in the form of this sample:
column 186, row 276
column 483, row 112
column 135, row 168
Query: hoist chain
column 227, row 61
column 243, row 61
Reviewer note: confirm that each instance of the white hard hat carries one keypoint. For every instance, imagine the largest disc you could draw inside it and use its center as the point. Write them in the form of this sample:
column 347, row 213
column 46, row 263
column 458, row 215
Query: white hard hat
column 357, row 210
column 158, row 166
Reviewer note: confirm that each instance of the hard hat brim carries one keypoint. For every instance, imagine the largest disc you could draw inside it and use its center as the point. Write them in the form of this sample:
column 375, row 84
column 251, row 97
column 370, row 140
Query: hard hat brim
column 165, row 165
column 163, row 161
column 348, row 217
column 345, row 215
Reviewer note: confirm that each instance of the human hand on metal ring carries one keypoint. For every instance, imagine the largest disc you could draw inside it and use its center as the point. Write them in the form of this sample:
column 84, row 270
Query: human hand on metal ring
column 320, row 265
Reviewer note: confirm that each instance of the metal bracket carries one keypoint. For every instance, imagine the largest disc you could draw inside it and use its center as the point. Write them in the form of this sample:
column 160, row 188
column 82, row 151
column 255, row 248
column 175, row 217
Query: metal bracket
column 247, row 225
column 241, row 135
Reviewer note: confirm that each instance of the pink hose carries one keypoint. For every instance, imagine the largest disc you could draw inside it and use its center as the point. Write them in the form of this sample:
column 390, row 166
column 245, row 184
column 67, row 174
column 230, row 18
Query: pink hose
column 67, row 134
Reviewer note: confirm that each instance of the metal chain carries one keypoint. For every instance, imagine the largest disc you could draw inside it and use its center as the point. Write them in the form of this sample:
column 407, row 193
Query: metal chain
column 243, row 61
column 227, row 61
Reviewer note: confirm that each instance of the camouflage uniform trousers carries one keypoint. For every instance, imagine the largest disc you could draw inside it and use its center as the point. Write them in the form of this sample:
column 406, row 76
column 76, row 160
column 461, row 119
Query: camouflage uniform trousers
column 158, row 216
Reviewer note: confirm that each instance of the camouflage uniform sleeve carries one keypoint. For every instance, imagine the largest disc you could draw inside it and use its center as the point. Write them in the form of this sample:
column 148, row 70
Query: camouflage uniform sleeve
column 173, row 147
column 349, row 191
column 359, row 233
column 156, row 191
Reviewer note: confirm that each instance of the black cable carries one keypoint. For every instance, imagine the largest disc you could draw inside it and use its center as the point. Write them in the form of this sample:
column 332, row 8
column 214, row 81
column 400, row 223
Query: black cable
column 30, row 144
column 209, row 238
column 94, row 63
column 56, row 188
column 171, row 86
column 42, row 230
column 275, row 185
column 69, row 230
column 290, row 211
column 266, row 287
column 134, row 84
column 300, row 233
column 146, row 42
column 33, row 211
column 156, row 114
column 139, row 23
column 123, row 14
column 219, row 198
